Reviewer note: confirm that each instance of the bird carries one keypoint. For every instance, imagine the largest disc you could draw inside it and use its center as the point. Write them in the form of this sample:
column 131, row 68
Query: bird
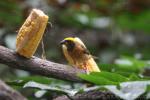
column 78, row 55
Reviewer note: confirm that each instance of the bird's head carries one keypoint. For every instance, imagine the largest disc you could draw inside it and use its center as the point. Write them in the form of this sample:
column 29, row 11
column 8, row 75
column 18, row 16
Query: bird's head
column 71, row 42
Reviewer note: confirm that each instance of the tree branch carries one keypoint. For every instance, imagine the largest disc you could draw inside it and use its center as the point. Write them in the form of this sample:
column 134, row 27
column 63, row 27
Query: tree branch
column 90, row 95
column 46, row 68
column 7, row 93
column 39, row 66
column 50, row 69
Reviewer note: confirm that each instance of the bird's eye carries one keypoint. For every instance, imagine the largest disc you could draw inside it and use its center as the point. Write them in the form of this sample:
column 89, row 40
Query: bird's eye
column 70, row 45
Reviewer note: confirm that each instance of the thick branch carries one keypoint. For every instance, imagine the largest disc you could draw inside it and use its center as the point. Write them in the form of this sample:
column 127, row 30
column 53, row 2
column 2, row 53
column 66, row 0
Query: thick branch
column 44, row 67
column 39, row 66
column 50, row 69
column 7, row 93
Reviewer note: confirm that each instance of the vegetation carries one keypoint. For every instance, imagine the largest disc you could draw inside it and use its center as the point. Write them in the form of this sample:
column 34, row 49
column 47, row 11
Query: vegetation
column 115, row 31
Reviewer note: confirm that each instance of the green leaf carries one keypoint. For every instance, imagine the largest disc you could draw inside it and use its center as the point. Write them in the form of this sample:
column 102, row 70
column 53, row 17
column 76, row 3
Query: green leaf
column 16, row 82
column 133, row 77
column 97, row 80
column 39, row 79
column 110, row 76
column 107, row 67
column 148, row 88
column 21, row 81
column 103, row 78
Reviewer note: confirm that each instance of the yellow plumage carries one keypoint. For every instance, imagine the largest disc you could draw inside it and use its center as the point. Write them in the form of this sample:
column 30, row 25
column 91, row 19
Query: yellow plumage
column 77, row 54
column 31, row 32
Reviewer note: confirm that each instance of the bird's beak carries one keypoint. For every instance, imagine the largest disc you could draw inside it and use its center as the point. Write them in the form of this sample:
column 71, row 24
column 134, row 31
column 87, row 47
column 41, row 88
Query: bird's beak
column 62, row 42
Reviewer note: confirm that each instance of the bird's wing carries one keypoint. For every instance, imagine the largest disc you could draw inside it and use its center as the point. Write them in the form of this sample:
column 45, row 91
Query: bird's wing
column 86, row 51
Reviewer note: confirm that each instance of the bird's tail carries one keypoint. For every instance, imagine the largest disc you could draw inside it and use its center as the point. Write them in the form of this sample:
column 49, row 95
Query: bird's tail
column 92, row 66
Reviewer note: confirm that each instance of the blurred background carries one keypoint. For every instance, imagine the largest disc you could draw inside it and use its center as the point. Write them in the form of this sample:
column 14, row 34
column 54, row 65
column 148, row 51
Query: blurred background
column 109, row 28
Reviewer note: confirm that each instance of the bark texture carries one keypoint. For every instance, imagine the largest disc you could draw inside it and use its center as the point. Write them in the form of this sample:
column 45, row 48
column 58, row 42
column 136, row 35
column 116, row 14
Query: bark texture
column 7, row 93
column 39, row 66
column 49, row 69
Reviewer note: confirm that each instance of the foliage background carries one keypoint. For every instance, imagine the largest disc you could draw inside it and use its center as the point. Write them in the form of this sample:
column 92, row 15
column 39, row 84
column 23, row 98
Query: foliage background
column 116, row 31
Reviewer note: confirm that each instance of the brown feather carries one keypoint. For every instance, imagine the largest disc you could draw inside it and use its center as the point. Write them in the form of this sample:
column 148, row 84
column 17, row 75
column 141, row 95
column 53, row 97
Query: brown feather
column 80, row 57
